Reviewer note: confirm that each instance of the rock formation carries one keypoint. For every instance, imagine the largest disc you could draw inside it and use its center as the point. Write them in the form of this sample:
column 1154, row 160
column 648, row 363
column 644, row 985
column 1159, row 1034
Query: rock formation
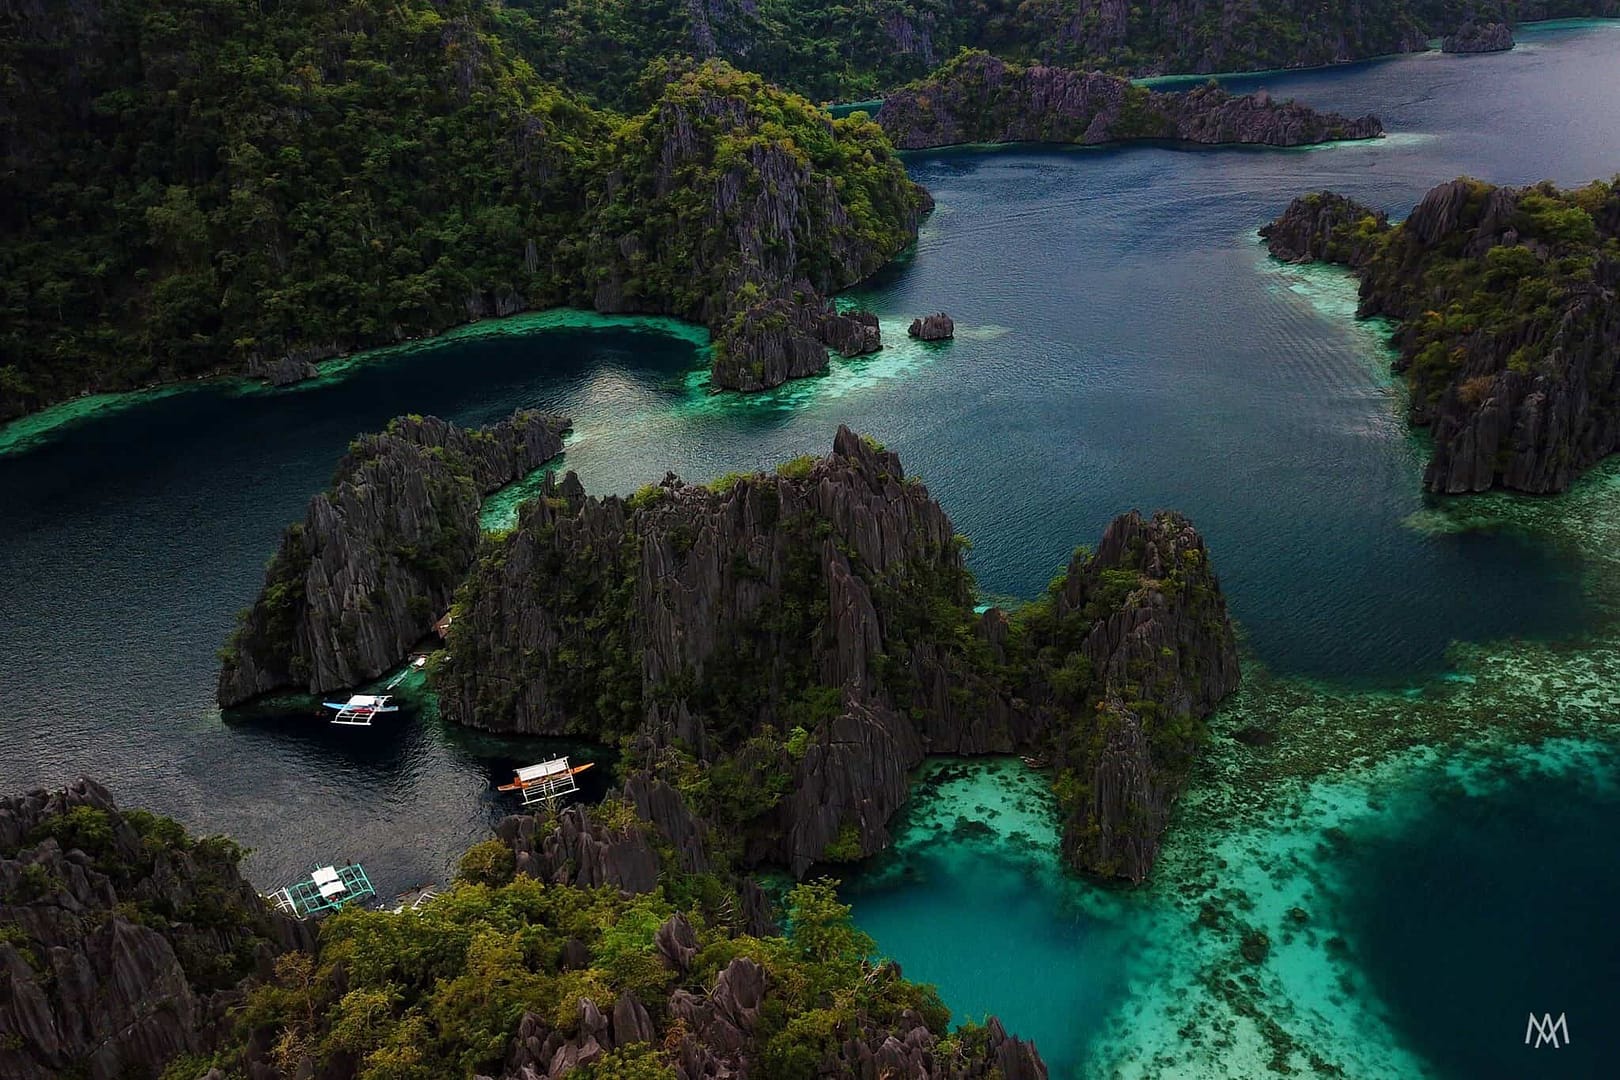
column 936, row 327
column 806, row 637
column 978, row 98
column 767, row 233
column 716, row 1033
column 1474, row 37
column 852, row 333
column 122, row 940
column 1507, row 322
column 377, row 557
column 1325, row 227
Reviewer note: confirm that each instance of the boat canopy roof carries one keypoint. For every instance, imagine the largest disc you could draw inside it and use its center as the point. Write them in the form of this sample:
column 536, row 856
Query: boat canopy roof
column 531, row 773
column 362, row 701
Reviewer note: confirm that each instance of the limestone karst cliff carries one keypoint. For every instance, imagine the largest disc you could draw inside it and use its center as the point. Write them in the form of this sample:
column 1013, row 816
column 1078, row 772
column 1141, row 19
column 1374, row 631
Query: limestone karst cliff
column 741, row 207
column 377, row 557
column 1506, row 318
column 979, row 98
column 1474, row 37
column 122, row 939
column 782, row 648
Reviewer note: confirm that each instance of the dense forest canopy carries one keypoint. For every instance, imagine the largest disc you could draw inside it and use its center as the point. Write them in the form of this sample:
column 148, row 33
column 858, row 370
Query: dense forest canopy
column 220, row 184
column 205, row 185
column 859, row 48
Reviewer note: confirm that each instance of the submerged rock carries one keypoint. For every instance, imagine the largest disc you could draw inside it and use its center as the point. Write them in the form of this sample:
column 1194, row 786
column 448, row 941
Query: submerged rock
column 936, row 327
column 124, row 939
column 376, row 559
column 980, row 98
column 1474, row 37
column 809, row 635
column 1508, row 325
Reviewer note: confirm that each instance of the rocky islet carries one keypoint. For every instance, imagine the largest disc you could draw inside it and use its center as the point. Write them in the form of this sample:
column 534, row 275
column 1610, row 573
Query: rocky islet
column 1504, row 307
column 980, row 98
column 781, row 649
column 378, row 556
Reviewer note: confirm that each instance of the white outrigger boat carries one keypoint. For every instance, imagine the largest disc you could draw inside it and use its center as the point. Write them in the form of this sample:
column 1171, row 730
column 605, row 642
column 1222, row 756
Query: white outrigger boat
column 359, row 710
column 546, row 781
column 329, row 888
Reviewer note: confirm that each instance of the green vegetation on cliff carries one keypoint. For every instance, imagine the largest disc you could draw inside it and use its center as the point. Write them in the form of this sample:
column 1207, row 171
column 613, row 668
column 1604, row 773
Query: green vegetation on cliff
column 131, row 949
column 224, row 185
column 1507, row 325
column 779, row 649
column 443, row 991
column 858, row 49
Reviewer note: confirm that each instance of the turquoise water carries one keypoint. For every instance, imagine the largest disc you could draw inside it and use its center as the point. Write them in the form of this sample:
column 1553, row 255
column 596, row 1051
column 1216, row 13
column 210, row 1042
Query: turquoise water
column 1122, row 342
column 972, row 899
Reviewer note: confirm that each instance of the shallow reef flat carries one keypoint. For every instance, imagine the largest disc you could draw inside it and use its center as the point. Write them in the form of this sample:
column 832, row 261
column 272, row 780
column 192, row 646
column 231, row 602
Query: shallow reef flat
column 1303, row 776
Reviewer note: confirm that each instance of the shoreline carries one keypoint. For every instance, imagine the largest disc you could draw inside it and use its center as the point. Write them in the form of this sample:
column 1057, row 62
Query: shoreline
column 32, row 429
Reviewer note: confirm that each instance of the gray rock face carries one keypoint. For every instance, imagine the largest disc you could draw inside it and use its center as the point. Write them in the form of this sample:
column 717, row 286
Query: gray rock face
column 777, row 340
column 1169, row 644
column 773, row 240
column 767, row 345
column 806, row 602
column 1474, row 37
column 936, row 327
column 290, row 367
column 852, row 333
column 576, row 849
column 85, row 988
column 981, row 98
column 377, row 557
column 1321, row 228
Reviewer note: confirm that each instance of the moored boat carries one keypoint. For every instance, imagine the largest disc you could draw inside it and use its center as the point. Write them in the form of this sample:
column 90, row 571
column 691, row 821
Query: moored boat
column 327, row 889
column 360, row 709
column 547, row 780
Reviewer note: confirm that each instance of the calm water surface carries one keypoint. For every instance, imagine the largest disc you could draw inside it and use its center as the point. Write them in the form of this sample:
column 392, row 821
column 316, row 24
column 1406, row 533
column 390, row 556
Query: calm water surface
column 1122, row 343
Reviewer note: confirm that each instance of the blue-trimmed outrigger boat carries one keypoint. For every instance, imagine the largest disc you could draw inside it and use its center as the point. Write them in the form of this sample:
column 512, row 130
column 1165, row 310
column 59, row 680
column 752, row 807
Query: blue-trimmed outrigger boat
column 359, row 710
column 329, row 888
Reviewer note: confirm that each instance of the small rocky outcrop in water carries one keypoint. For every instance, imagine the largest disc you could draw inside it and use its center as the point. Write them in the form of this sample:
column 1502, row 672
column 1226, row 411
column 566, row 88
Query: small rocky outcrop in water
column 936, row 327
column 777, row 340
column 122, row 939
column 767, row 345
column 979, row 98
column 1325, row 227
column 1474, row 37
column 797, row 642
column 1508, row 326
column 377, row 557
column 852, row 333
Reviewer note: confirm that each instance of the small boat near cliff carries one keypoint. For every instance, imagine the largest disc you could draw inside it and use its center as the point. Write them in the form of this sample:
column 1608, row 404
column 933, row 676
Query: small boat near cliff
column 327, row 889
column 547, row 780
column 361, row 709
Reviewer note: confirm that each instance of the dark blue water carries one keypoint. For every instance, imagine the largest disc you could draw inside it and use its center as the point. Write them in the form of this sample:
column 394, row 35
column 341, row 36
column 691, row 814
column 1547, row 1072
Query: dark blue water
column 1480, row 910
column 1122, row 342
